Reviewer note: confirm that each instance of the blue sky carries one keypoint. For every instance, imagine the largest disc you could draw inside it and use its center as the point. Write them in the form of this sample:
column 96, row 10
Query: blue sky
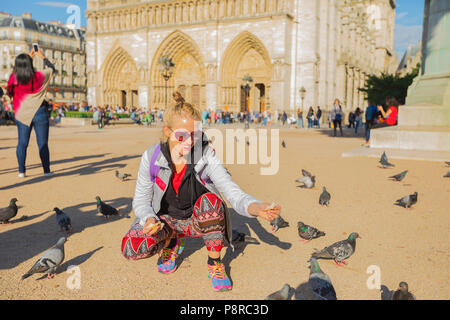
column 408, row 23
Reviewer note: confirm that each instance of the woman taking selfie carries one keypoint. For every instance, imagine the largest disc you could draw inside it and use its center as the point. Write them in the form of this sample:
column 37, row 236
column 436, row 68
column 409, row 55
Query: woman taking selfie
column 27, row 89
column 178, row 194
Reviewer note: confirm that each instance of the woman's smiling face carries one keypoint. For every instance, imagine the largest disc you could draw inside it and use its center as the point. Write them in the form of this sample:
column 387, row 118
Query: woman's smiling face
column 182, row 133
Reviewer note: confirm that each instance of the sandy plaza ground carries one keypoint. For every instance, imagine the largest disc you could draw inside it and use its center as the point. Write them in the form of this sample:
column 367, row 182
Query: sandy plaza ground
column 406, row 245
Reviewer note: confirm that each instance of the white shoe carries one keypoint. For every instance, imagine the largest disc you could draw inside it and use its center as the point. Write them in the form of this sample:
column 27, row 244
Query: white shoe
column 21, row 175
column 49, row 174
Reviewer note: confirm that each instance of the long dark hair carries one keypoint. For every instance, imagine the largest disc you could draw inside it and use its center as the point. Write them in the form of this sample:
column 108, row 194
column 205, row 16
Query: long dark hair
column 23, row 68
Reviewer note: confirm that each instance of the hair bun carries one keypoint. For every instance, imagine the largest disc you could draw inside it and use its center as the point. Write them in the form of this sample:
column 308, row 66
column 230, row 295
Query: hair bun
column 178, row 97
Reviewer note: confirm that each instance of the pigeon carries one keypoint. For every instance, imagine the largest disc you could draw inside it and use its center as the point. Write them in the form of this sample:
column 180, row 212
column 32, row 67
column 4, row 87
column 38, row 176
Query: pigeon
column 9, row 212
column 282, row 294
column 307, row 233
column 122, row 176
column 308, row 179
column 400, row 176
column 105, row 209
column 63, row 220
column 339, row 251
column 407, row 201
column 283, row 144
column 447, row 163
column 278, row 222
column 402, row 293
column 384, row 161
column 325, row 196
column 239, row 238
column 247, row 142
column 447, row 175
column 49, row 260
column 320, row 282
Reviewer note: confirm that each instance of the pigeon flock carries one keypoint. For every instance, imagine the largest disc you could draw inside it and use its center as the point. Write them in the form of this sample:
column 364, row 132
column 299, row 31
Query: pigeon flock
column 340, row 251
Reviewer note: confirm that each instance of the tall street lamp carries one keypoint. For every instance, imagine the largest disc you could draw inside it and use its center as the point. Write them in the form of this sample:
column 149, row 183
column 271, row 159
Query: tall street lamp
column 166, row 66
column 302, row 91
column 247, row 79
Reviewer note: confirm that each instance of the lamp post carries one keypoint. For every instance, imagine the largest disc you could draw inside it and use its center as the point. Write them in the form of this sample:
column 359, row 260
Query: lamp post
column 166, row 66
column 302, row 91
column 247, row 79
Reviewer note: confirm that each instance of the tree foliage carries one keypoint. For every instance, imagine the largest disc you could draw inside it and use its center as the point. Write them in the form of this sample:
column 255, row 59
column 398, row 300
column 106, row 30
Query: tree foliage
column 377, row 88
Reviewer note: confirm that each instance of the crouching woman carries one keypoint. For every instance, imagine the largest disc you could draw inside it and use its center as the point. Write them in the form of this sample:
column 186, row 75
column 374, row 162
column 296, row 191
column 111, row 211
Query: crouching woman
column 178, row 194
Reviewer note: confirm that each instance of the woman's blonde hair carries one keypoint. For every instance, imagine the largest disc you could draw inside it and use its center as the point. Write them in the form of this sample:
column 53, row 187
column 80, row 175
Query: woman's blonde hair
column 181, row 109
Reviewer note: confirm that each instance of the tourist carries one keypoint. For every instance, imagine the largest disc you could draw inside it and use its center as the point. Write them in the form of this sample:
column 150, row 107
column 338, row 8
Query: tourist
column 336, row 116
column 27, row 89
column 318, row 116
column 299, row 118
column 391, row 115
column 172, row 200
column 310, row 117
column 358, row 119
column 370, row 115
column 284, row 118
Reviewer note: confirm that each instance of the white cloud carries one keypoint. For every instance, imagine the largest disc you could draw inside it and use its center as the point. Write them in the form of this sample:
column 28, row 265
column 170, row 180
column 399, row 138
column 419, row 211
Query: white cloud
column 401, row 15
column 405, row 35
column 56, row 4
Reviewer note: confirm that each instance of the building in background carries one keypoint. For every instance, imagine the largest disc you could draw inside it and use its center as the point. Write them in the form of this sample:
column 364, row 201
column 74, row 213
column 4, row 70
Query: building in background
column 411, row 58
column 62, row 45
column 328, row 47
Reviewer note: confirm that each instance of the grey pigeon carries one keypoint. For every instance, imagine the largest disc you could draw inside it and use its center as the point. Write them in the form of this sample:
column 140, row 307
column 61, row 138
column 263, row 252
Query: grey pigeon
column 447, row 175
column 447, row 163
column 308, row 179
column 407, row 201
column 278, row 222
column 122, row 176
column 400, row 176
column 283, row 144
column 402, row 293
column 105, row 209
column 49, row 260
column 239, row 238
column 282, row 294
column 307, row 233
column 63, row 220
column 384, row 161
column 338, row 251
column 9, row 212
column 325, row 197
column 320, row 282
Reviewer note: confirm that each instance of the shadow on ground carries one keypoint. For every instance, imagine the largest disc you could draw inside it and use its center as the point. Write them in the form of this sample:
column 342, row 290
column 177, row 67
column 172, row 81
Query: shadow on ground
column 20, row 244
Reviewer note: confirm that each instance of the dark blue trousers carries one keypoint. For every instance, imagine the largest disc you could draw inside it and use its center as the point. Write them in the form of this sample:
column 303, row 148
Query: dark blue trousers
column 40, row 124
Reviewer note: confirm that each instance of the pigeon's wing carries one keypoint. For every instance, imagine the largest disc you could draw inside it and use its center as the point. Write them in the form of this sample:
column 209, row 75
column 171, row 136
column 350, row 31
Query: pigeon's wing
column 54, row 255
column 108, row 210
column 342, row 250
column 303, row 179
column 322, row 287
column 7, row 213
column 276, row 296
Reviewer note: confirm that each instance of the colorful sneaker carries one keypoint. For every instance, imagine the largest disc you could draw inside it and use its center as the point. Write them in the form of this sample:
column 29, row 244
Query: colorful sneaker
column 220, row 280
column 167, row 261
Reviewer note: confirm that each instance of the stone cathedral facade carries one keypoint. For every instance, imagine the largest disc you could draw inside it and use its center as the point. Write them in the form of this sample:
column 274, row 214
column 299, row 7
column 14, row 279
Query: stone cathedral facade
column 328, row 47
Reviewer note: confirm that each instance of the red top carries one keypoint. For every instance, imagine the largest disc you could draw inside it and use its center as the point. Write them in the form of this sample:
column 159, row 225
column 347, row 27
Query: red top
column 22, row 90
column 392, row 119
column 177, row 178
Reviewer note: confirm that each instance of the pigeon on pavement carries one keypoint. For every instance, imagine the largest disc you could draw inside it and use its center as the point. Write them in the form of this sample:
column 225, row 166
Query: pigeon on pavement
column 339, row 251
column 49, row 260
column 384, row 161
column 278, row 222
column 308, row 179
column 400, row 176
column 122, row 176
column 447, row 175
column 9, row 212
column 63, row 220
column 407, row 201
column 307, row 233
column 402, row 293
column 320, row 282
column 325, row 197
column 105, row 209
column 283, row 144
column 282, row 294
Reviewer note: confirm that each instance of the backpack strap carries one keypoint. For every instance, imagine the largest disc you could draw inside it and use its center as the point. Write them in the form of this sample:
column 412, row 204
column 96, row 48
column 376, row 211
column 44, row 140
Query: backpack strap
column 154, row 169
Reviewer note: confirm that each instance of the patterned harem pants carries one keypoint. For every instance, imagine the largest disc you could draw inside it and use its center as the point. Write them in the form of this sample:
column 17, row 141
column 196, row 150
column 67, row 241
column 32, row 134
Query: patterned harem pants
column 207, row 221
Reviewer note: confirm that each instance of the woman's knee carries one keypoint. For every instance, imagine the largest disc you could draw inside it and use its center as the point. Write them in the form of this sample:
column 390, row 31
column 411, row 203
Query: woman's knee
column 209, row 214
column 136, row 245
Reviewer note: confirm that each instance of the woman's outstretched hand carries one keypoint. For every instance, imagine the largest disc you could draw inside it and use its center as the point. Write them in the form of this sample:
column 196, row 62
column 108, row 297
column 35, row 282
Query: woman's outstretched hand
column 263, row 210
column 152, row 226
